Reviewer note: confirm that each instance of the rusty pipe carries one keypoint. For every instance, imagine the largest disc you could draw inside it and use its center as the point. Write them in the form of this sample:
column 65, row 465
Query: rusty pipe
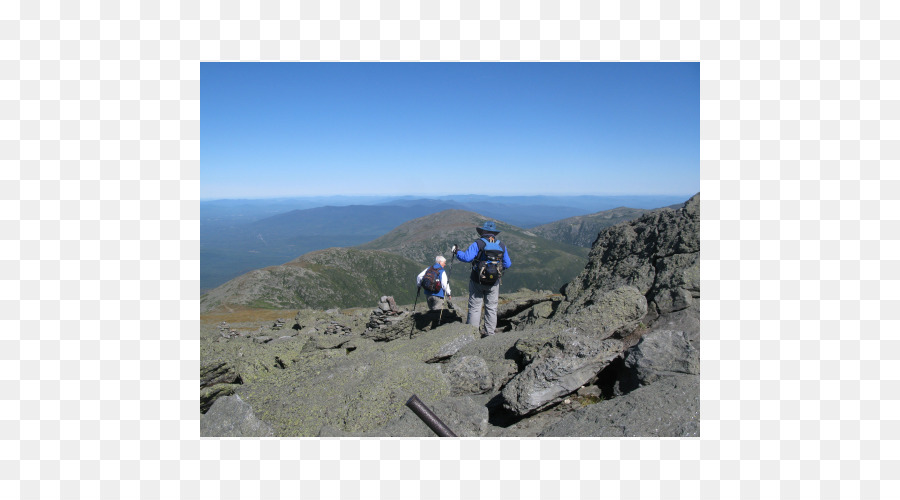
column 428, row 416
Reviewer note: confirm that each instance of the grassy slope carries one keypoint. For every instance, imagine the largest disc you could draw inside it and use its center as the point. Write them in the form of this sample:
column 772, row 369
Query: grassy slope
column 538, row 263
column 335, row 277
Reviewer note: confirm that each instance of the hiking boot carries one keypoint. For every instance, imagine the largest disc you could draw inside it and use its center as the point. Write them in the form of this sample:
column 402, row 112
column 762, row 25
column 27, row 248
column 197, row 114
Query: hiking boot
column 483, row 335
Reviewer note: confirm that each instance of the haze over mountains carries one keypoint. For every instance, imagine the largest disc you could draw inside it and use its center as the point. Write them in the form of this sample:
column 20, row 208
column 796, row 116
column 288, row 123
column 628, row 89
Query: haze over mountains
column 357, row 276
column 238, row 236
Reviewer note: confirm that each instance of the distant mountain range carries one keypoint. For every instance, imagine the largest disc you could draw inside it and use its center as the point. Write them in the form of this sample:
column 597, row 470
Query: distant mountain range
column 237, row 236
column 228, row 250
column 357, row 277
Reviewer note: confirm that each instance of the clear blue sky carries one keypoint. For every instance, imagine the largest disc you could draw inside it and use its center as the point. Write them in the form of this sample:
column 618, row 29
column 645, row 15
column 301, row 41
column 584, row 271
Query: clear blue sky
column 310, row 129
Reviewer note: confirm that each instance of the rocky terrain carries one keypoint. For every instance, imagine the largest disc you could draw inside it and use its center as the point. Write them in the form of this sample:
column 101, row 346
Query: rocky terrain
column 582, row 230
column 615, row 354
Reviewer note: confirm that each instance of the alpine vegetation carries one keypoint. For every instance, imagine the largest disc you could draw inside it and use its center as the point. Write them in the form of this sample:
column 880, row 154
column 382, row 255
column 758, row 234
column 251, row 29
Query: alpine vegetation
column 611, row 351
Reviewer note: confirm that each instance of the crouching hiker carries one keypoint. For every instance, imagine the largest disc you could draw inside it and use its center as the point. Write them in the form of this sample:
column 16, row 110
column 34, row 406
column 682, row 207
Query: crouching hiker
column 489, row 257
column 433, row 280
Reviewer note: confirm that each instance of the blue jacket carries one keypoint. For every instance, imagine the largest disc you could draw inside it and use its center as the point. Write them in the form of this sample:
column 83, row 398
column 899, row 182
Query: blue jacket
column 470, row 253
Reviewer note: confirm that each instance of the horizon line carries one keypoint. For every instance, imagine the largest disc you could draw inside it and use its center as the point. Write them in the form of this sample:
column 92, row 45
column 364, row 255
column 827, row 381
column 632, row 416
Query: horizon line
column 440, row 196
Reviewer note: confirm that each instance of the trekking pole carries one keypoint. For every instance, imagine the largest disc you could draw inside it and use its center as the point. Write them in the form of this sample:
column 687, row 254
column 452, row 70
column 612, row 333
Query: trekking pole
column 418, row 289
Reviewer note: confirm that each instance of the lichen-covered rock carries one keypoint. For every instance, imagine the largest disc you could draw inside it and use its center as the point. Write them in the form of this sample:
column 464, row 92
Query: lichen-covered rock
column 458, row 336
column 667, row 407
column 232, row 417
column 656, row 254
column 326, row 341
column 461, row 415
column 250, row 361
column 352, row 393
column 535, row 316
column 607, row 313
column 468, row 375
column 407, row 325
column 209, row 395
column 562, row 365
column 511, row 304
column 499, row 352
column 216, row 371
column 433, row 345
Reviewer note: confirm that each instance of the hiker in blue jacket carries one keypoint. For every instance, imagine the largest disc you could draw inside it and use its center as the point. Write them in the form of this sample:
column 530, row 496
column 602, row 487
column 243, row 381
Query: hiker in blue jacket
column 436, row 299
column 489, row 258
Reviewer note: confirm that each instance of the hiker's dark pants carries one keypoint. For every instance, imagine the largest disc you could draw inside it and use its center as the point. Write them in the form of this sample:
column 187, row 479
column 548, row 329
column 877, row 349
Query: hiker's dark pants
column 487, row 295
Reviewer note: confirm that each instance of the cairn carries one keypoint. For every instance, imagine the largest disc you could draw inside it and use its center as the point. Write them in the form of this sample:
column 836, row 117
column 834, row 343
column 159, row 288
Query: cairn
column 385, row 314
column 226, row 332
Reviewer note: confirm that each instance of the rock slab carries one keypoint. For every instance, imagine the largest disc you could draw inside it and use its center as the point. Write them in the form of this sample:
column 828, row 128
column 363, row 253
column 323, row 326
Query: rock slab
column 230, row 416
column 559, row 368
column 659, row 354
column 468, row 375
column 462, row 415
column 669, row 407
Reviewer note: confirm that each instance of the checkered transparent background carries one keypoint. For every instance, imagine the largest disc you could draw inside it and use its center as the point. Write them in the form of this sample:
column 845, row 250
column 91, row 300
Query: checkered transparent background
column 99, row 250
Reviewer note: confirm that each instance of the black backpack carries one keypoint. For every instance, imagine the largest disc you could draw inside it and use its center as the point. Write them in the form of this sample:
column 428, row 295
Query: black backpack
column 487, row 267
column 431, row 282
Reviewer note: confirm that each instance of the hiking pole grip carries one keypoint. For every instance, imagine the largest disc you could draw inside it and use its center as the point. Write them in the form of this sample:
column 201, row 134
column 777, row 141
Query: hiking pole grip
column 430, row 419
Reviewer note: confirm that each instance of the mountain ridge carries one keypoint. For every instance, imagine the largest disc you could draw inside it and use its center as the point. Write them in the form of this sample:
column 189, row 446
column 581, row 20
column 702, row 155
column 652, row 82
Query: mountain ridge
column 307, row 280
column 582, row 230
column 240, row 235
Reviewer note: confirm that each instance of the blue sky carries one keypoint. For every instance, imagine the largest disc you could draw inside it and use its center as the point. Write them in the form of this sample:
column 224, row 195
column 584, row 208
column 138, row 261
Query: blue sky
column 316, row 129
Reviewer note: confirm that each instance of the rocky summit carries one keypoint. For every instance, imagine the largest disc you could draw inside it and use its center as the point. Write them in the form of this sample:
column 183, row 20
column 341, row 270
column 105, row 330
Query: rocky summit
column 616, row 353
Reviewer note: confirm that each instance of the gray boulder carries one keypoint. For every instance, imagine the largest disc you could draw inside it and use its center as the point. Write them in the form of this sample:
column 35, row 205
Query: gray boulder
column 657, row 254
column 668, row 407
column 605, row 314
column 534, row 316
column 468, row 375
column 562, row 366
column 499, row 352
column 512, row 304
column 659, row 354
column 677, row 284
column 685, row 320
column 230, row 416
